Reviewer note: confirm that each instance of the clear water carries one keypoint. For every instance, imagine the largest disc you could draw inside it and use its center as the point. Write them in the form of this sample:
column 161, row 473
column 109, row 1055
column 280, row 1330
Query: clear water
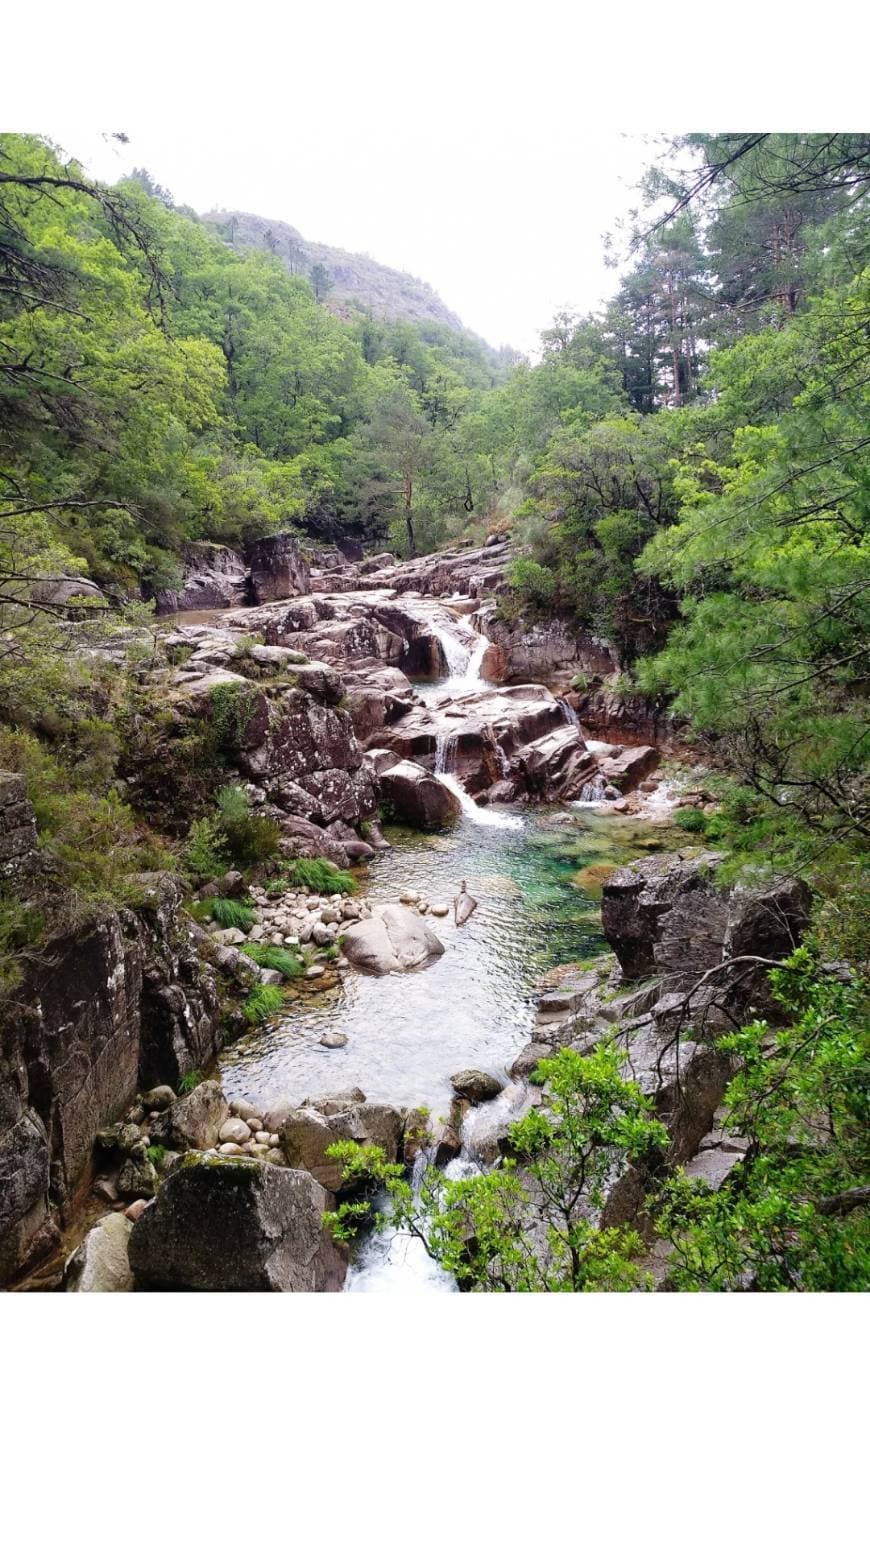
column 536, row 876
column 474, row 1007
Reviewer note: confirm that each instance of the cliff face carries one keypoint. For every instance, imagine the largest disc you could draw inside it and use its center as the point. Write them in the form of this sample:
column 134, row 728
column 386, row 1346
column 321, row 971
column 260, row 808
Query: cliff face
column 356, row 279
column 120, row 1001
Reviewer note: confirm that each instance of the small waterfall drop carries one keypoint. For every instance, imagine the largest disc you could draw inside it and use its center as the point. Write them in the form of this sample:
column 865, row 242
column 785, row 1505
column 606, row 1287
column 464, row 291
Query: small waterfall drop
column 456, row 654
column 481, row 815
column 442, row 752
column 593, row 792
column 475, row 659
column 570, row 714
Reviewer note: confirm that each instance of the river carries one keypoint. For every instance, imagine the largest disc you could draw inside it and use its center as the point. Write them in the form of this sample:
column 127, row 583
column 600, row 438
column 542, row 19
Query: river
column 529, row 868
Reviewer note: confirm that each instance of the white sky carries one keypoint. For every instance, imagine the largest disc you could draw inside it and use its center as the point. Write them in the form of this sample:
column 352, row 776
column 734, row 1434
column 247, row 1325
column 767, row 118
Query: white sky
column 506, row 229
column 484, row 148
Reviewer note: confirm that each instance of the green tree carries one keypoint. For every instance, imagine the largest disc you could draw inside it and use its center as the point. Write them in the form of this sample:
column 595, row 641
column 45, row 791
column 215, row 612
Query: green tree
column 531, row 1223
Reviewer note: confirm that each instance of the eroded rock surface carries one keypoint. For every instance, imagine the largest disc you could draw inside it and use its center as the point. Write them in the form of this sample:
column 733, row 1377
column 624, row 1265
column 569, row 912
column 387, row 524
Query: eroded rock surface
column 223, row 1225
column 393, row 939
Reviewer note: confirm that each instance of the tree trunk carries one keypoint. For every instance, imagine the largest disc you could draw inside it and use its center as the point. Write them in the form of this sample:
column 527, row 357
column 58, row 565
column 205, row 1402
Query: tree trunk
column 409, row 519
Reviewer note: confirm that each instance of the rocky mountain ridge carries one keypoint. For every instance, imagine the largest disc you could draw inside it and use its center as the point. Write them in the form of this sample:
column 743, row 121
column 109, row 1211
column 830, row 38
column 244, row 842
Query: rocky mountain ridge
column 358, row 281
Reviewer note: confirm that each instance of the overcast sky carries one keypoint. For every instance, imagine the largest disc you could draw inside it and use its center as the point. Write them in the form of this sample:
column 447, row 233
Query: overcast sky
column 475, row 143
column 506, row 226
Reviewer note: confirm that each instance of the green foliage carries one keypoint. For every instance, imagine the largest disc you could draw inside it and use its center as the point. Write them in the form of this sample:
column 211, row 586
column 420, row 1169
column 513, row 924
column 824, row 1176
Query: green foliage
column 156, row 1153
column 231, row 914
column 262, row 1003
column 277, row 959
column 563, row 1155
column 190, row 1080
column 534, row 583
column 690, row 820
column 204, row 855
column 22, row 929
column 321, row 877
column 794, row 1216
column 248, row 838
column 92, row 842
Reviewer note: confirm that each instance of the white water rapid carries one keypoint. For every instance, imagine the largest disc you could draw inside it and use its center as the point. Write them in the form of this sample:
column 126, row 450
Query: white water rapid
column 481, row 815
column 463, row 660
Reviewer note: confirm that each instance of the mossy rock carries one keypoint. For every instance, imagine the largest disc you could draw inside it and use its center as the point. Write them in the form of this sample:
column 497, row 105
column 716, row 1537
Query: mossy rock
column 592, row 878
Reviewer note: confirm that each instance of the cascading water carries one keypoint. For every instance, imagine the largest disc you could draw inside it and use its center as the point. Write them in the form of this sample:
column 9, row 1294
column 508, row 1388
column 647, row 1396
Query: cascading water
column 592, row 792
column 464, row 661
column 475, row 659
column 570, row 714
column 481, row 815
column 456, row 654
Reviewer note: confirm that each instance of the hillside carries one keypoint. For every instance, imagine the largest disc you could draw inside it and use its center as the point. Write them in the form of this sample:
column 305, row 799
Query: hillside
column 356, row 280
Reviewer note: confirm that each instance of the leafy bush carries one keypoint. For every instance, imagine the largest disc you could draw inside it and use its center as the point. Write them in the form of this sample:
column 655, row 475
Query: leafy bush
column 690, row 820
column 276, row 959
column 157, row 1155
column 263, row 1001
column 231, row 914
column 320, row 876
column 533, row 582
column 204, row 855
column 93, row 841
column 795, row 1216
column 248, row 838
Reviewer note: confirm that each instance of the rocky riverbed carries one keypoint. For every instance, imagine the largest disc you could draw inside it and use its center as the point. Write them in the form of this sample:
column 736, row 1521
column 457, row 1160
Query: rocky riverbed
column 375, row 720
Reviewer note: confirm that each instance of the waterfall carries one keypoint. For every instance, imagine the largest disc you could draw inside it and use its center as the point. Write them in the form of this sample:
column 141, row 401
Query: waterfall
column 592, row 792
column 442, row 752
column 457, row 655
column 463, row 660
column 569, row 713
column 475, row 659
column 481, row 815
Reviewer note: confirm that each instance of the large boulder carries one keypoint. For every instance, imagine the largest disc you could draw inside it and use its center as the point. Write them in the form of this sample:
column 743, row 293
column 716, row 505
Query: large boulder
column 101, row 1265
column 307, row 1133
column 226, row 1225
column 666, row 916
column 417, row 799
column 475, row 1085
column 194, row 1121
column 393, row 939
column 214, row 577
column 628, row 765
column 119, row 1003
column 637, row 904
column 278, row 569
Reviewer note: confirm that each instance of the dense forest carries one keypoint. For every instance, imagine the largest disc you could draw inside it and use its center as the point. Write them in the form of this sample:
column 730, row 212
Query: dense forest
column 685, row 474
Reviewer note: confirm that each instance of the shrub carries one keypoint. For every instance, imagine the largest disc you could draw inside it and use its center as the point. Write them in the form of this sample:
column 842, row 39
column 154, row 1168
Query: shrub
column 276, row 959
column 690, row 820
column 532, row 580
column 232, row 709
column 248, row 838
column 190, row 1080
column 320, row 876
column 157, row 1155
column 21, row 928
column 262, row 1002
column 203, row 852
column 230, row 914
